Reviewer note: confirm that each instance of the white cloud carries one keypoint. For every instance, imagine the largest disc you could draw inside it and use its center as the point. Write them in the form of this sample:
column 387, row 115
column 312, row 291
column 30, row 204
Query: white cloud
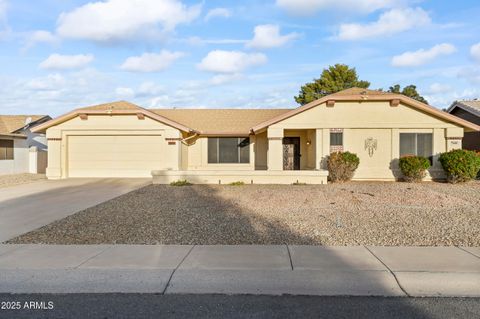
column 221, row 79
column 218, row 12
column 3, row 10
column 438, row 88
column 65, row 62
column 116, row 20
column 197, row 41
column 39, row 36
column 391, row 22
column 151, row 62
column 310, row 7
column 47, row 83
column 475, row 51
column 422, row 56
column 149, row 88
column 471, row 74
column 4, row 28
column 124, row 92
column 268, row 36
column 220, row 61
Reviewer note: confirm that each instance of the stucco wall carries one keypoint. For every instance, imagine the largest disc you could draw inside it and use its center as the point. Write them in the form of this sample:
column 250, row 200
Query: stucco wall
column 363, row 120
column 19, row 164
column 261, row 149
column 198, row 157
column 101, row 125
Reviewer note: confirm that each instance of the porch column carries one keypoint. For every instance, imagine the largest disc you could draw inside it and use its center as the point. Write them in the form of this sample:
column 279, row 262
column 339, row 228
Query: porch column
column 253, row 142
column 318, row 148
column 54, row 142
column 275, row 149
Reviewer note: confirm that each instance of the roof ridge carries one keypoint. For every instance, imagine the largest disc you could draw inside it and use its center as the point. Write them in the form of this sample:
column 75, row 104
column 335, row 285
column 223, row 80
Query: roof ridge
column 219, row 109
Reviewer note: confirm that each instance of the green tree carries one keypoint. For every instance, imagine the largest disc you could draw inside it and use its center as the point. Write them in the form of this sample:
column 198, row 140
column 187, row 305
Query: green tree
column 334, row 79
column 409, row 90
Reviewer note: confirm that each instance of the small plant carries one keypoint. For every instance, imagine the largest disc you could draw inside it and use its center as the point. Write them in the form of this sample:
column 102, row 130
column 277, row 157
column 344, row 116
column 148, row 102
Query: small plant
column 297, row 183
column 414, row 168
column 237, row 183
column 342, row 166
column 460, row 165
column 180, row 182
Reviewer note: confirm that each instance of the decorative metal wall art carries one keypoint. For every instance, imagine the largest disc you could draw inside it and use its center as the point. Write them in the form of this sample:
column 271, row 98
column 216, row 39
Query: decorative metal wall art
column 371, row 145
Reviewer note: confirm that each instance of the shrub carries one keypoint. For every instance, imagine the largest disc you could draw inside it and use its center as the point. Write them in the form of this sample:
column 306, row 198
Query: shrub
column 180, row 182
column 460, row 165
column 414, row 168
column 297, row 183
column 238, row 183
column 342, row 166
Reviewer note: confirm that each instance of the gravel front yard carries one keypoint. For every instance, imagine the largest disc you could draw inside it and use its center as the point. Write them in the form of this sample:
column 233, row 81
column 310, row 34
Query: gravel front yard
column 338, row 214
column 17, row 179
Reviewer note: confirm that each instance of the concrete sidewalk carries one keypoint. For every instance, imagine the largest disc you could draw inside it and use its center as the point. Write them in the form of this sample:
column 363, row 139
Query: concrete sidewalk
column 275, row 270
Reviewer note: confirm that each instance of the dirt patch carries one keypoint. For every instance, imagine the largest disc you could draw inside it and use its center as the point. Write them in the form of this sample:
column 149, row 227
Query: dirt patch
column 17, row 179
column 336, row 214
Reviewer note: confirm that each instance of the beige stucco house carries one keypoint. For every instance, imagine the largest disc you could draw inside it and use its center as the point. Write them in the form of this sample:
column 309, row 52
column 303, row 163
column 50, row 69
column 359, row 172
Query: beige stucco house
column 254, row 146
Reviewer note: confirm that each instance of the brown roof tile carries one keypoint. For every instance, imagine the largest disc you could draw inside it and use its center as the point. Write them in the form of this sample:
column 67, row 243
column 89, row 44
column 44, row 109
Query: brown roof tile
column 118, row 105
column 233, row 121
column 12, row 123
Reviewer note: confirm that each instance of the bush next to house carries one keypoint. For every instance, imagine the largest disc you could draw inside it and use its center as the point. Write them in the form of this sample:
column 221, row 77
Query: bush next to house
column 342, row 166
column 180, row 182
column 414, row 168
column 460, row 165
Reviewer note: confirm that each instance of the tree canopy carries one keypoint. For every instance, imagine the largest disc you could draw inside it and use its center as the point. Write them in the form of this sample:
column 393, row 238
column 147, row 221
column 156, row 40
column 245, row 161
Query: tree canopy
column 333, row 79
column 409, row 90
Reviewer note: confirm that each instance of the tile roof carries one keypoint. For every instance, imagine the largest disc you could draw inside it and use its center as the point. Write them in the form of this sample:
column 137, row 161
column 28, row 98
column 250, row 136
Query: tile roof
column 360, row 91
column 118, row 105
column 242, row 121
column 11, row 123
column 233, row 121
column 474, row 105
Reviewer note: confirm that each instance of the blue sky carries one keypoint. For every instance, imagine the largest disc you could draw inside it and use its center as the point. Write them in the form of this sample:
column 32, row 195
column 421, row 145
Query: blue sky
column 56, row 55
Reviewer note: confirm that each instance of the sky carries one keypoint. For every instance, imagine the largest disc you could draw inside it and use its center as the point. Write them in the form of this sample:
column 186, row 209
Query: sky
column 57, row 55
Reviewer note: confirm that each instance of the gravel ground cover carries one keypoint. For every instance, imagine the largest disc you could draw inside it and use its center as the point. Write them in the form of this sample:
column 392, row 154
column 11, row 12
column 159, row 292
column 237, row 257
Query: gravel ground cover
column 335, row 214
column 17, row 179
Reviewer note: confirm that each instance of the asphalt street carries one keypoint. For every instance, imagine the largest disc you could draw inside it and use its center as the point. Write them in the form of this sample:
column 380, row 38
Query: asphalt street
column 233, row 306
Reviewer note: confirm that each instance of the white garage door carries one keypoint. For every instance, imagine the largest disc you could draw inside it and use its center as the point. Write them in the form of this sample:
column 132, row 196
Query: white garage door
column 114, row 156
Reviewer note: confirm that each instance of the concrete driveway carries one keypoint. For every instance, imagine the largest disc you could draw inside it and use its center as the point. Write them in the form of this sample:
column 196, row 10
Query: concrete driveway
column 26, row 207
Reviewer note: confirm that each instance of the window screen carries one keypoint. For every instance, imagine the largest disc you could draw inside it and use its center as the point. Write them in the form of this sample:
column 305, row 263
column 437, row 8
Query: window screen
column 336, row 139
column 419, row 144
column 228, row 150
column 6, row 149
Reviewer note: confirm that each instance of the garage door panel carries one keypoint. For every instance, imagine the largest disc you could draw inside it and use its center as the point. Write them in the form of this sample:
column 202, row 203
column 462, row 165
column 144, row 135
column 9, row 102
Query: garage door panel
column 114, row 156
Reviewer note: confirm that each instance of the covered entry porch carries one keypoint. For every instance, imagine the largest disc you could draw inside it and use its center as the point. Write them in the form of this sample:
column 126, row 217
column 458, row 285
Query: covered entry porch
column 296, row 149
column 285, row 156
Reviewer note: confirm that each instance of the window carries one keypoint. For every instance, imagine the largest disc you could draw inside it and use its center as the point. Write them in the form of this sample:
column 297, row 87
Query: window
column 336, row 139
column 228, row 150
column 419, row 144
column 6, row 149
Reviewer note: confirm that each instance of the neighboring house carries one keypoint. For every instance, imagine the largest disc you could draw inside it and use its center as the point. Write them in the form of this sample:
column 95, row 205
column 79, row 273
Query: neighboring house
column 254, row 146
column 16, row 139
column 470, row 111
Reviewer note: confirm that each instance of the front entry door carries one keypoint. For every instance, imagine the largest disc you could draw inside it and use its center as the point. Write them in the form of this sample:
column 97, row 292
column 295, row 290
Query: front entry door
column 291, row 153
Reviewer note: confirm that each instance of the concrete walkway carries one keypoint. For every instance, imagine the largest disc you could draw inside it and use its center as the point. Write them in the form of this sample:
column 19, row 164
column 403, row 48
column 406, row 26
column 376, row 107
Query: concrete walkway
column 29, row 206
column 298, row 270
